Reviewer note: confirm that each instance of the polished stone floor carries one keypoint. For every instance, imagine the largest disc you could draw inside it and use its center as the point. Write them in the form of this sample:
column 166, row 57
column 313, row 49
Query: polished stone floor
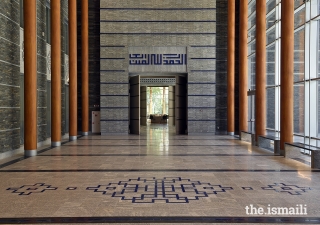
column 156, row 177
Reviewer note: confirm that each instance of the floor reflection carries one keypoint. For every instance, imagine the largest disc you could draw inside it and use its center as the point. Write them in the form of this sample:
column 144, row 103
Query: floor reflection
column 157, row 136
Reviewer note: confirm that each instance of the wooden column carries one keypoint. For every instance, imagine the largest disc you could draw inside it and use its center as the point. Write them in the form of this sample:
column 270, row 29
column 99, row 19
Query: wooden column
column 287, row 51
column 85, row 66
column 73, row 105
column 30, row 77
column 243, row 67
column 260, row 68
column 55, row 73
column 231, row 65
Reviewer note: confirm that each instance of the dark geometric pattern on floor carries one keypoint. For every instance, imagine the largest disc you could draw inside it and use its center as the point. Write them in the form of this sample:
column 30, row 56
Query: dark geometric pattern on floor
column 167, row 190
column 31, row 189
column 71, row 188
column 247, row 188
column 291, row 189
column 151, row 190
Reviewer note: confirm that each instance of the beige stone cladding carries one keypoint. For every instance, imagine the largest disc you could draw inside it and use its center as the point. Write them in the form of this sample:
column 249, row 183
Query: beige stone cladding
column 125, row 24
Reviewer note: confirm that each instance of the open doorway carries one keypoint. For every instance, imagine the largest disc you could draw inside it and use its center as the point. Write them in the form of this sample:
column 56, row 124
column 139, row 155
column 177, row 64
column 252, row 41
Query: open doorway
column 155, row 102
column 157, row 105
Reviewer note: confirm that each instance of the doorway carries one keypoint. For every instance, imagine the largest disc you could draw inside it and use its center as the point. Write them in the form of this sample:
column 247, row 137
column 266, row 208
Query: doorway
column 158, row 103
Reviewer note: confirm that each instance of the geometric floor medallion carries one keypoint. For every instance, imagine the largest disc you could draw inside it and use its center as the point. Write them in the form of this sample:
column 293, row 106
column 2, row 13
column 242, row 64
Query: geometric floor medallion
column 167, row 190
column 154, row 190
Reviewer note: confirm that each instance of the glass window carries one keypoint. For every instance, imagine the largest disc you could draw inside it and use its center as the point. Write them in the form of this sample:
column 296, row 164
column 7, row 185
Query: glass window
column 271, row 117
column 299, row 55
column 251, row 113
column 48, row 25
column 297, row 3
column 271, row 20
column 21, row 14
column 252, row 7
column 318, row 49
column 271, row 4
column 298, row 111
column 300, row 18
column 66, row 37
column 252, row 47
column 251, row 34
column 306, row 73
column 318, row 112
column 252, row 21
column 252, row 72
column 271, row 36
column 271, row 65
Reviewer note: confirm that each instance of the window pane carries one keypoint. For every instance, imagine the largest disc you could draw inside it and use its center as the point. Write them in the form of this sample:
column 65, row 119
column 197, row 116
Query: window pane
column 48, row 23
column 251, row 34
column 251, row 114
column 271, row 5
column 252, row 73
column 252, row 7
column 21, row 14
column 251, row 48
column 299, row 59
column 271, row 36
column 319, row 49
column 66, row 38
column 318, row 107
column 252, row 21
column 271, row 19
column 298, row 111
column 297, row 3
column 271, row 96
column 271, row 65
column 300, row 18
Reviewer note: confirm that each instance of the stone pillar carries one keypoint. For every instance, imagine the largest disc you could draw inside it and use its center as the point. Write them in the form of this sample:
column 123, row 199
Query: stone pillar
column 287, row 51
column 243, row 67
column 55, row 73
column 231, row 65
column 85, row 65
column 260, row 68
column 73, row 105
column 30, row 77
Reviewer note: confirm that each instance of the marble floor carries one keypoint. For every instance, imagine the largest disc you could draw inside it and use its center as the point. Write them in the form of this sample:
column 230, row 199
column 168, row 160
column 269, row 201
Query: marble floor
column 158, row 177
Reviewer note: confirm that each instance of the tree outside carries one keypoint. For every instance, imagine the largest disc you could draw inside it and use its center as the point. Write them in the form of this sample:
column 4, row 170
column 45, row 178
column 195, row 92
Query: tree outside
column 157, row 100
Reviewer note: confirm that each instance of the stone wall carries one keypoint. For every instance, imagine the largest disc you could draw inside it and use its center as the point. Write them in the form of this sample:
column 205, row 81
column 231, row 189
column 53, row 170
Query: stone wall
column 200, row 26
column 10, row 75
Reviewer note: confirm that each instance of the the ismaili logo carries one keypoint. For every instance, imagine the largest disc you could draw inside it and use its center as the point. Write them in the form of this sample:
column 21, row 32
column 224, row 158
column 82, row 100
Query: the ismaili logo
column 299, row 209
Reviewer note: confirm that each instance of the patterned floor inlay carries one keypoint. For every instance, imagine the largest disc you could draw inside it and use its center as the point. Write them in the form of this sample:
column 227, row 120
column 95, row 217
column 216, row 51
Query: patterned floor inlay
column 291, row 189
column 165, row 190
column 30, row 189
column 151, row 190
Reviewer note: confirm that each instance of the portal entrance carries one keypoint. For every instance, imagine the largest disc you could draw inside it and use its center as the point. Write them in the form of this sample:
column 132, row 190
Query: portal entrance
column 158, row 100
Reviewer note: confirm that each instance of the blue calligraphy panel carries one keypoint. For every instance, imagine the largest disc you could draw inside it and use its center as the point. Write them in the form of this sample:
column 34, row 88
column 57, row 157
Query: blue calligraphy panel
column 158, row 59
